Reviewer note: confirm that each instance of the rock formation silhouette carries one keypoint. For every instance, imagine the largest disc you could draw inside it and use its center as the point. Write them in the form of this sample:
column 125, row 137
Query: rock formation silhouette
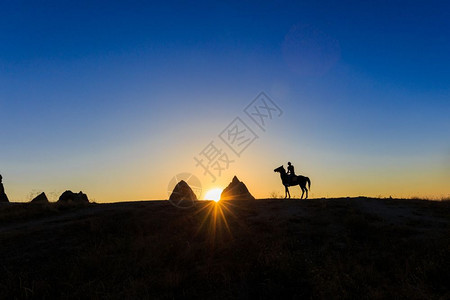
column 182, row 192
column 70, row 197
column 236, row 190
column 3, row 197
column 40, row 199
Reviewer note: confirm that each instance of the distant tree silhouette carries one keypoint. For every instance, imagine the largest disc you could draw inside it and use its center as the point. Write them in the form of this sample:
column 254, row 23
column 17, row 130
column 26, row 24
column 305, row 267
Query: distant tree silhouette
column 293, row 180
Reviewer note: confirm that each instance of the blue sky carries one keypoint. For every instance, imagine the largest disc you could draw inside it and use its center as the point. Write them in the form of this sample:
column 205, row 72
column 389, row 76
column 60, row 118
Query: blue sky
column 96, row 92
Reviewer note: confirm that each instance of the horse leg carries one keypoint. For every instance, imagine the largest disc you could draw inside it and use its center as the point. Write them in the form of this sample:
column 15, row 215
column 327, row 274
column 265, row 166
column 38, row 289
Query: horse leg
column 303, row 191
column 289, row 193
column 306, row 192
column 285, row 192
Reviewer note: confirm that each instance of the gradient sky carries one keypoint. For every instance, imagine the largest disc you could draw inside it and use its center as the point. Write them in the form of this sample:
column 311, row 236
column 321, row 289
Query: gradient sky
column 116, row 98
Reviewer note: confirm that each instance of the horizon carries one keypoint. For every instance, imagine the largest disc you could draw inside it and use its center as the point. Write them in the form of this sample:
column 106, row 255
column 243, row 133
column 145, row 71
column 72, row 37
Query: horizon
column 117, row 100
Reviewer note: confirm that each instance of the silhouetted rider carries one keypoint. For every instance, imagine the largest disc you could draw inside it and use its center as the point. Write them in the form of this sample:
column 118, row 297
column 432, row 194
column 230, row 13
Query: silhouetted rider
column 290, row 171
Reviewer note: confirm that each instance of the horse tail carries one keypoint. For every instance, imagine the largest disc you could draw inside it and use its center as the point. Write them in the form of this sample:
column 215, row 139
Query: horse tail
column 309, row 183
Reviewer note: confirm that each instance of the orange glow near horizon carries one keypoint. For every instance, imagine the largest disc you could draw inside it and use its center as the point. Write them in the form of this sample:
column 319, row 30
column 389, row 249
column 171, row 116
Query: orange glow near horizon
column 213, row 194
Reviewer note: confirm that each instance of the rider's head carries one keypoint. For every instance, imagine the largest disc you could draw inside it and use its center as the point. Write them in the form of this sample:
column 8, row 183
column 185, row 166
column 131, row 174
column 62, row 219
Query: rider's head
column 289, row 163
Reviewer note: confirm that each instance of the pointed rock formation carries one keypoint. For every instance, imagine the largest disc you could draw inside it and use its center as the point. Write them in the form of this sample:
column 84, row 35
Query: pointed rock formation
column 41, row 198
column 3, row 197
column 69, row 196
column 182, row 192
column 236, row 190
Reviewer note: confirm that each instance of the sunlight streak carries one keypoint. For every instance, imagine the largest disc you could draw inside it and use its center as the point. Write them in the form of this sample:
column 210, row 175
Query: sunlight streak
column 214, row 222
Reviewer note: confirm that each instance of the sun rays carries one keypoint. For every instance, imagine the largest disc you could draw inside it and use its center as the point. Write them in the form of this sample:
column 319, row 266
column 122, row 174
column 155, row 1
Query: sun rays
column 215, row 221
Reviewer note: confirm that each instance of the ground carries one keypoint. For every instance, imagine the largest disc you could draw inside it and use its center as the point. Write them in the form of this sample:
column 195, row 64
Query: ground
column 321, row 248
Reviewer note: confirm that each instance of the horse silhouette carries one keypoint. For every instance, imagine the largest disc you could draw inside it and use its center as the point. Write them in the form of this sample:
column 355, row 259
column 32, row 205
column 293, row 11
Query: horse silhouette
column 293, row 181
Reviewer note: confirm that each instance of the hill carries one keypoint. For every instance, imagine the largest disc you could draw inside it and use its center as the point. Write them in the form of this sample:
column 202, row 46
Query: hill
column 321, row 248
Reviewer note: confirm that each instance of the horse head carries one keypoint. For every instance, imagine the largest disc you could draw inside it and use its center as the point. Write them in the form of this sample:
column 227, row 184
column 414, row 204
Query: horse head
column 280, row 169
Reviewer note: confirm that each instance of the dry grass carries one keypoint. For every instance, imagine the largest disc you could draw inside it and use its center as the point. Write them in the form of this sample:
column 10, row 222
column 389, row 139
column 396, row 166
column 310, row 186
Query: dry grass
column 321, row 248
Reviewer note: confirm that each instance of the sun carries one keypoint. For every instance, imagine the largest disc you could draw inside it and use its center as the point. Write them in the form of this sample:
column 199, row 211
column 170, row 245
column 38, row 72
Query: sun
column 213, row 194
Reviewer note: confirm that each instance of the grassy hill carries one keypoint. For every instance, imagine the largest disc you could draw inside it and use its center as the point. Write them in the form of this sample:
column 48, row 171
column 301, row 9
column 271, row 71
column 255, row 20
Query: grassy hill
column 320, row 248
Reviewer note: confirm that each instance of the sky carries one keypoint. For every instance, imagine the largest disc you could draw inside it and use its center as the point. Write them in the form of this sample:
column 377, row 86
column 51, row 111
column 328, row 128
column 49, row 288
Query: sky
column 116, row 98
